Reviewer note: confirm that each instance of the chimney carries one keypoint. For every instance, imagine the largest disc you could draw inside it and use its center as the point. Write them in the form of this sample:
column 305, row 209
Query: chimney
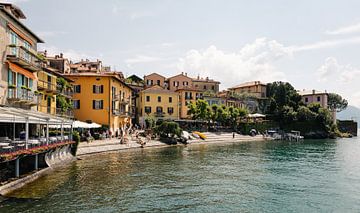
column 198, row 77
column 186, row 74
column 45, row 53
column 61, row 55
column 56, row 56
column 313, row 92
column 207, row 78
column 182, row 73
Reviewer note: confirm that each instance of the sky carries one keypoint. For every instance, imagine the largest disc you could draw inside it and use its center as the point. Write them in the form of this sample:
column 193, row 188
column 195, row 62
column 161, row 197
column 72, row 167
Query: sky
column 311, row 44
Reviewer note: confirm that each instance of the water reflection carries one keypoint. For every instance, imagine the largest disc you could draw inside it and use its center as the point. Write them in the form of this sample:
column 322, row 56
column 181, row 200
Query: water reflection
column 252, row 176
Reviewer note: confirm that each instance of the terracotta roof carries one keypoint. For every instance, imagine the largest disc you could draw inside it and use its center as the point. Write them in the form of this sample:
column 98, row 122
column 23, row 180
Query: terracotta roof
column 154, row 73
column 248, row 84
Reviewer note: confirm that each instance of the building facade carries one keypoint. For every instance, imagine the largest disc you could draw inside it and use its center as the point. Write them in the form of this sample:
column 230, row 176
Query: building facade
column 206, row 84
column 314, row 96
column 254, row 88
column 187, row 96
column 154, row 79
column 103, row 98
column 158, row 103
column 21, row 63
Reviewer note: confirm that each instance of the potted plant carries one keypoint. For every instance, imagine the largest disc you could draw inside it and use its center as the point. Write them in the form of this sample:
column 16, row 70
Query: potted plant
column 24, row 87
column 11, row 86
column 12, row 45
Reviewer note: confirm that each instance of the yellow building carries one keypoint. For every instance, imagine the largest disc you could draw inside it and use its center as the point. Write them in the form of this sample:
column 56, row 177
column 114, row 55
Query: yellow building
column 159, row 103
column 187, row 96
column 46, row 92
column 102, row 98
column 254, row 88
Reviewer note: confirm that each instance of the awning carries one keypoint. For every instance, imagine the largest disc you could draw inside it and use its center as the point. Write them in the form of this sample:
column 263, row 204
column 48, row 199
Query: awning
column 17, row 115
column 21, row 70
column 80, row 124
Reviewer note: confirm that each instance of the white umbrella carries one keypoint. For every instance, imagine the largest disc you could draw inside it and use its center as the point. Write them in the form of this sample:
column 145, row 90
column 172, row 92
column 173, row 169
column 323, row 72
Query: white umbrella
column 80, row 124
column 256, row 115
column 94, row 125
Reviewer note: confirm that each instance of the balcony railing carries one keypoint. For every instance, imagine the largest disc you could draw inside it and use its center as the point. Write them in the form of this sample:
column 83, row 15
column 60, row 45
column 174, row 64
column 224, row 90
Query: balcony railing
column 117, row 112
column 21, row 95
column 46, row 109
column 159, row 114
column 46, row 85
column 69, row 113
column 66, row 92
column 23, row 57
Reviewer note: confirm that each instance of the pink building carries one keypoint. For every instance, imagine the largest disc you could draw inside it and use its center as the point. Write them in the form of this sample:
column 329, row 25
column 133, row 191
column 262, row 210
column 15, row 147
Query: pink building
column 314, row 96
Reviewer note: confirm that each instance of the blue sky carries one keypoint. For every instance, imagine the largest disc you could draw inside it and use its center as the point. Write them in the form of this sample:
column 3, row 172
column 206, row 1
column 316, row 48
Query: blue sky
column 311, row 44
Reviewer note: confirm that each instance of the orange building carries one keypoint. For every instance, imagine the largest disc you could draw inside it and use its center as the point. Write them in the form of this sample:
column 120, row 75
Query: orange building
column 102, row 98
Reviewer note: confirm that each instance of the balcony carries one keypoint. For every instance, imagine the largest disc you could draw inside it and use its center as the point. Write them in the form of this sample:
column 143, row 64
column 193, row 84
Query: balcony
column 20, row 95
column 23, row 57
column 188, row 97
column 47, row 86
column 46, row 109
column 117, row 112
column 68, row 113
column 65, row 92
column 159, row 114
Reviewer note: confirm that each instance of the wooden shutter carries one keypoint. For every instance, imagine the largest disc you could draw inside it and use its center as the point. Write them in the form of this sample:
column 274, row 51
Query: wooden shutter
column 93, row 104
column 94, row 88
column 102, row 89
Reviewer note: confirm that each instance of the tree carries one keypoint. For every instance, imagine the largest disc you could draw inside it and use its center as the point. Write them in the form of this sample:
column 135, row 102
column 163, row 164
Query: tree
column 282, row 94
column 168, row 129
column 306, row 114
column 336, row 102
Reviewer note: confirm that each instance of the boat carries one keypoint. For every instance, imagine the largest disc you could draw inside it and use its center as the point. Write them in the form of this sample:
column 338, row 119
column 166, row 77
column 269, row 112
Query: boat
column 199, row 134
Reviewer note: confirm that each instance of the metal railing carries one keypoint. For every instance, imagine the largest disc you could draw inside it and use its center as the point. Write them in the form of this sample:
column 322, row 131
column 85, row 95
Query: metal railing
column 47, row 85
column 21, row 95
column 23, row 57
column 46, row 109
column 69, row 113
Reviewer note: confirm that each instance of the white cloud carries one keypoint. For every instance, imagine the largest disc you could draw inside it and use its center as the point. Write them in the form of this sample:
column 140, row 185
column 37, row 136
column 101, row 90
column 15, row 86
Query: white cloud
column 253, row 62
column 130, row 14
column 14, row 1
column 355, row 28
column 355, row 99
column 331, row 68
column 325, row 44
column 142, row 59
column 69, row 53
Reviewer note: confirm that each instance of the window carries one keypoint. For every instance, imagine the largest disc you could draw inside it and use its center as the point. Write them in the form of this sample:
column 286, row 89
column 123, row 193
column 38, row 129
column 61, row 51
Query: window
column 170, row 110
column 113, row 91
column 159, row 98
column 306, row 100
column 77, row 88
column 158, row 82
column 147, row 110
column 98, row 104
column 213, row 87
column 148, row 82
column 318, row 98
column 204, row 86
column 170, row 99
column 97, row 89
column 12, row 77
column 147, row 98
column 159, row 109
column 152, row 82
column 76, row 104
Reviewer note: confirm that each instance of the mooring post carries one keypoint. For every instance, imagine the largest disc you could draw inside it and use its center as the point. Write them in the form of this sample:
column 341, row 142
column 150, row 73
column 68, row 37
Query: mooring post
column 47, row 131
column 36, row 162
column 17, row 167
column 27, row 133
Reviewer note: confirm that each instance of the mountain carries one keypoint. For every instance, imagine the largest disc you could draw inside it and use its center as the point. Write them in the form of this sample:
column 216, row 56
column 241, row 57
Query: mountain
column 351, row 112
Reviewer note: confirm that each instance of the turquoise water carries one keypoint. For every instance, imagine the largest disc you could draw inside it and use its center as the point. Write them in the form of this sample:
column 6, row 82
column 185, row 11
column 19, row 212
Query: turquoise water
column 309, row 176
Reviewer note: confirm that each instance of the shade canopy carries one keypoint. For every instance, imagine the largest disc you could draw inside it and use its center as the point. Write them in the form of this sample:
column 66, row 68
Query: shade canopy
column 17, row 115
column 81, row 124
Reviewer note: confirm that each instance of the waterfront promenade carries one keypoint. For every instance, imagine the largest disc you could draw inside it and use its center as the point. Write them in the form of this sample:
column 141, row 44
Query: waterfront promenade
column 110, row 145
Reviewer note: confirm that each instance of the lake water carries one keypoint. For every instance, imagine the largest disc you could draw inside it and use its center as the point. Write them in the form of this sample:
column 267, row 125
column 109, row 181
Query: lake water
column 309, row 176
